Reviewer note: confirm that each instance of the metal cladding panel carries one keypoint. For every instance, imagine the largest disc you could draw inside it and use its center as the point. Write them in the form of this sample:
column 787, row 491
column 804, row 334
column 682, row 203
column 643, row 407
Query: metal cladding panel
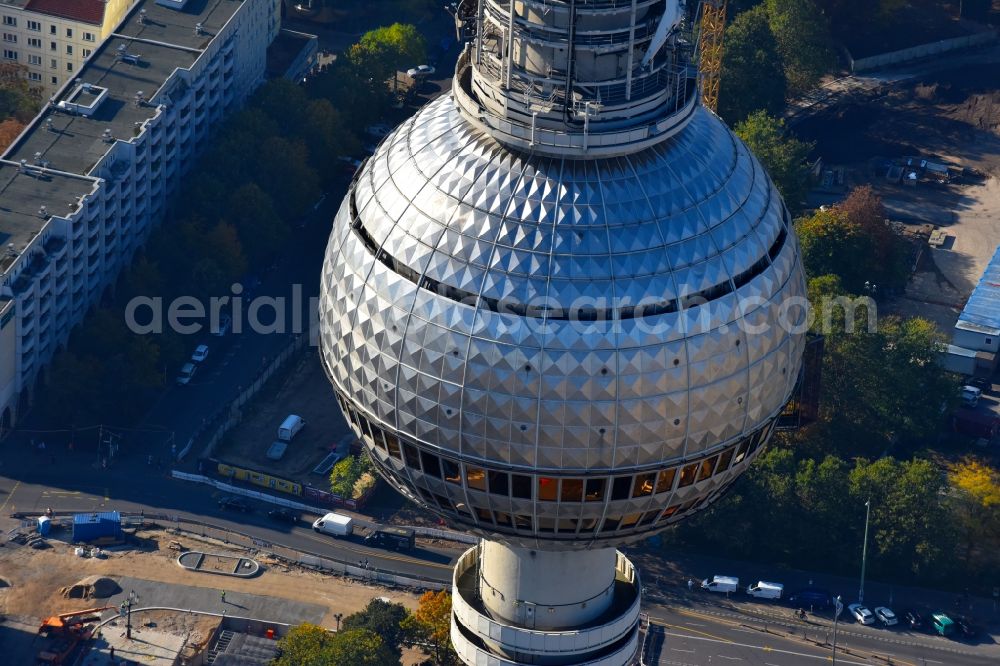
column 90, row 526
column 488, row 305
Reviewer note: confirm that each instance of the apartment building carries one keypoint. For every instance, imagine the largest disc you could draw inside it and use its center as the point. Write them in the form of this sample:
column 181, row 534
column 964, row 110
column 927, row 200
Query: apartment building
column 53, row 38
column 83, row 186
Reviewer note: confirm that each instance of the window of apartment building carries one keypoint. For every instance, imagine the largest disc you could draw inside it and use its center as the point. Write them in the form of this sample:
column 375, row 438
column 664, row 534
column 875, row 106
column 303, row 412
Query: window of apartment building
column 9, row 54
column 53, row 63
column 88, row 36
column 55, row 80
column 34, row 42
column 34, row 60
column 10, row 20
column 34, row 26
column 10, row 37
column 69, row 49
column 69, row 67
column 53, row 46
column 69, row 33
column 34, row 76
column 53, row 30
column 86, row 53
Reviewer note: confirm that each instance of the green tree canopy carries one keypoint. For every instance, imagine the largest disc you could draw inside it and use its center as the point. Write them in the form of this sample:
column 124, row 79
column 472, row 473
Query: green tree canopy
column 783, row 156
column 310, row 645
column 803, row 38
column 753, row 75
column 383, row 619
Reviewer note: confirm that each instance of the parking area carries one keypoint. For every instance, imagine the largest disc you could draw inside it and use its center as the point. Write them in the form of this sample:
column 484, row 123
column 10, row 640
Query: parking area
column 302, row 390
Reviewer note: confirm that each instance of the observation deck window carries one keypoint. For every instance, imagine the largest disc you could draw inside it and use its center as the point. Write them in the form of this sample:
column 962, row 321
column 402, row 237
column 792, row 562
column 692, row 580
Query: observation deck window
column 499, row 484
column 725, row 459
column 595, row 490
column 571, row 490
column 688, row 475
column 475, row 478
column 410, row 456
column 665, row 481
column 707, row 467
column 521, row 486
column 432, row 464
column 548, row 489
column 644, row 485
column 503, row 519
column 620, row 489
column 452, row 474
column 484, row 515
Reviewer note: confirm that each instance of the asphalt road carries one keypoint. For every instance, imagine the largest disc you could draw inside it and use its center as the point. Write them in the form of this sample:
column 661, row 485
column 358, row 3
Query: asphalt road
column 697, row 637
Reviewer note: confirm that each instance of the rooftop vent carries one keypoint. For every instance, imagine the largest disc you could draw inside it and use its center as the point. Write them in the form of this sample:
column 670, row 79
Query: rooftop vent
column 140, row 98
column 43, row 213
column 48, row 125
column 199, row 29
column 107, row 136
column 142, row 17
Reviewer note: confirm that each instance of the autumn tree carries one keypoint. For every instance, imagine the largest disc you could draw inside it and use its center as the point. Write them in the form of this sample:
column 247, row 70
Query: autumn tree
column 975, row 490
column 430, row 625
column 18, row 99
column 10, row 129
column 783, row 156
column 753, row 75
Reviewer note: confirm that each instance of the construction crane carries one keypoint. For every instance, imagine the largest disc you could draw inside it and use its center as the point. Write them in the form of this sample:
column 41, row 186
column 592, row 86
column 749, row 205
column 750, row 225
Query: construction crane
column 713, row 30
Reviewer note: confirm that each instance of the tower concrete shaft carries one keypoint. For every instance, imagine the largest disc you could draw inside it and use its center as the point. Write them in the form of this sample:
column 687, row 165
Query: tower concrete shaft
column 521, row 606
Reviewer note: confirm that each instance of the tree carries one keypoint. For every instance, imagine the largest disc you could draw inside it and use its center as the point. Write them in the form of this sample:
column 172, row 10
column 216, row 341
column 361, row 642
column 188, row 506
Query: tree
column 347, row 475
column 384, row 619
column 783, row 156
column 310, row 645
column 384, row 51
column 832, row 245
column 18, row 99
column 909, row 526
column 889, row 253
column 753, row 75
column 10, row 129
column 803, row 37
column 884, row 387
column 975, row 490
column 430, row 624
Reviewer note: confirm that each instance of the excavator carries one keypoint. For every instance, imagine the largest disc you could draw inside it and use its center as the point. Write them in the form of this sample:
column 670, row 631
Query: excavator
column 64, row 632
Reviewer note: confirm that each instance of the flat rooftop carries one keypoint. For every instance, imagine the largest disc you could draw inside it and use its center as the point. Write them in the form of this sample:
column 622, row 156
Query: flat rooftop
column 982, row 311
column 172, row 26
column 124, row 64
column 22, row 194
column 76, row 143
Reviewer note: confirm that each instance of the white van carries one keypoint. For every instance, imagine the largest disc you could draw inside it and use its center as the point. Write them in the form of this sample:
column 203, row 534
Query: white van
column 335, row 524
column 764, row 590
column 724, row 584
column 290, row 427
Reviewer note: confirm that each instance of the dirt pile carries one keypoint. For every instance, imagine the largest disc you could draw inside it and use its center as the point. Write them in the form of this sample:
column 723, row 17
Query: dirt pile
column 982, row 111
column 91, row 587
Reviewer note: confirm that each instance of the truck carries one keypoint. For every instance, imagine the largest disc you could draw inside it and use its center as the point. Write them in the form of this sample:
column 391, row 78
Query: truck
column 975, row 423
column 765, row 590
column 396, row 538
column 724, row 584
column 334, row 524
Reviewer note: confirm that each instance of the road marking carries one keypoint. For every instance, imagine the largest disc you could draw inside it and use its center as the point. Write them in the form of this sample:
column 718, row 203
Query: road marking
column 758, row 647
column 9, row 495
column 932, row 661
column 695, row 624
column 722, row 656
column 681, row 650
column 695, row 631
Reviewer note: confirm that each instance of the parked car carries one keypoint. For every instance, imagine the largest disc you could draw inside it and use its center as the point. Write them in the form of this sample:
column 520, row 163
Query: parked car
column 914, row 619
column 225, row 323
column 970, row 395
column 886, row 616
column 811, row 597
column 981, row 383
column 234, row 503
column 966, row 628
column 942, row 624
column 861, row 613
column 725, row 584
column 200, row 354
column 420, row 71
column 187, row 373
column 283, row 515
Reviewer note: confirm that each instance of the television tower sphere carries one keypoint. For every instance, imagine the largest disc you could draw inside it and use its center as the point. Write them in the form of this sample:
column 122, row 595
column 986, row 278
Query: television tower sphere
column 562, row 307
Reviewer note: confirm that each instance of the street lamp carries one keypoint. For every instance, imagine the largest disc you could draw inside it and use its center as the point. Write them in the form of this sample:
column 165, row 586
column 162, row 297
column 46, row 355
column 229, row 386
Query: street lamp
column 864, row 552
column 132, row 598
column 337, row 617
column 838, row 607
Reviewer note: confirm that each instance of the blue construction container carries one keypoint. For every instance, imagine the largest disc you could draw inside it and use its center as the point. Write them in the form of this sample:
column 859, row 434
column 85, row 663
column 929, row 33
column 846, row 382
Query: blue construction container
column 44, row 525
column 91, row 526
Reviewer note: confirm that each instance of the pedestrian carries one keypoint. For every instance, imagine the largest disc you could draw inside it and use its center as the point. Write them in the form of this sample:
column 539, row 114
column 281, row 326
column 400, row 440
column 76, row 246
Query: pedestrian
column 690, row 584
column 223, row 594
